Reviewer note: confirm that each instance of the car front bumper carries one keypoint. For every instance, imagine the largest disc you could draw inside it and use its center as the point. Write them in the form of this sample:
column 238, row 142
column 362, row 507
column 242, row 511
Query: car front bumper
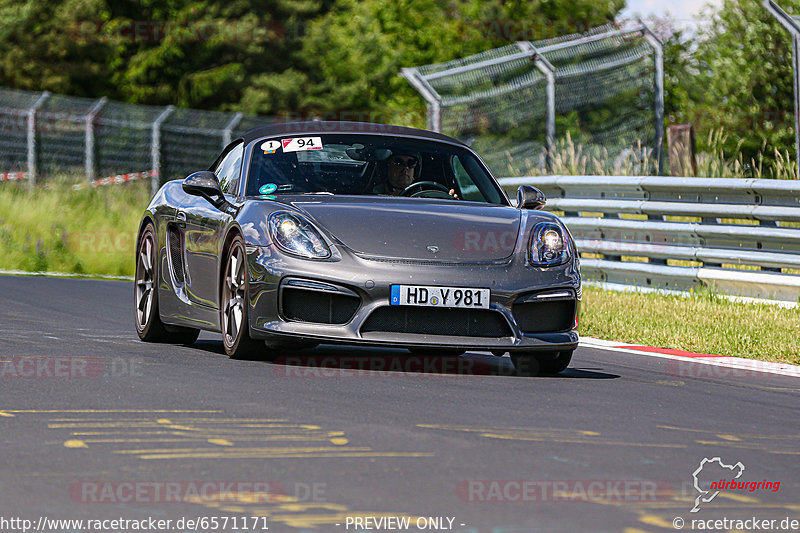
column 370, row 280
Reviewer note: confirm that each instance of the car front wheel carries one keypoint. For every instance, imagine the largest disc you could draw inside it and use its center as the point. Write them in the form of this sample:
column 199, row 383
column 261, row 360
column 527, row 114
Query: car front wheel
column 233, row 305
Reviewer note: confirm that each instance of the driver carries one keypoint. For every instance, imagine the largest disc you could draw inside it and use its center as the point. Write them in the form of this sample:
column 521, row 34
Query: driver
column 400, row 174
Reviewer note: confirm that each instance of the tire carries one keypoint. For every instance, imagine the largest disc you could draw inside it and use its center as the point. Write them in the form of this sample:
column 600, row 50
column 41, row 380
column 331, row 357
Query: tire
column 549, row 365
column 531, row 364
column 233, row 306
column 449, row 352
column 148, row 322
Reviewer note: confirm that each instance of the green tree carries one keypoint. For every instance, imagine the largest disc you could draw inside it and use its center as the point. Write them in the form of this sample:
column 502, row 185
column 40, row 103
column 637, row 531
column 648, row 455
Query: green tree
column 355, row 52
column 741, row 78
column 41, row 47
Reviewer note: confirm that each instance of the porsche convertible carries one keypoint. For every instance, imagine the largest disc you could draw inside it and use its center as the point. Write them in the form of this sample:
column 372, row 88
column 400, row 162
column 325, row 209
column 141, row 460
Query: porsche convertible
column 354, row 233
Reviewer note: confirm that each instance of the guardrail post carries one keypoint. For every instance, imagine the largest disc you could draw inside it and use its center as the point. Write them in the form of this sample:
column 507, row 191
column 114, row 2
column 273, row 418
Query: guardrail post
column 658, row 49
column 155, row 148
column 91, row 167
column 33, row 153
column 227, row 133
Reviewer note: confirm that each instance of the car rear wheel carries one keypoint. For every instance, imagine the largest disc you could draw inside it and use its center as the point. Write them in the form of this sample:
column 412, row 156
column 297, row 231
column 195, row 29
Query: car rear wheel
column 233, row 306
column 540, row 363
column 149, row 326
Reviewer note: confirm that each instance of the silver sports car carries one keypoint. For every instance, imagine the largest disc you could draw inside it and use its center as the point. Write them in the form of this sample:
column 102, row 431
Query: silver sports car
column 355, row 233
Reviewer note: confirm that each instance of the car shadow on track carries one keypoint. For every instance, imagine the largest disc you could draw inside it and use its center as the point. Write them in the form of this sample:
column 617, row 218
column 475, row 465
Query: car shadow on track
column 352, row 361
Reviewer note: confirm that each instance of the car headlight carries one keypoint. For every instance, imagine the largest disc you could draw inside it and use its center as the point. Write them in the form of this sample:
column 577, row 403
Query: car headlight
column 295, row 235
column 549, row 245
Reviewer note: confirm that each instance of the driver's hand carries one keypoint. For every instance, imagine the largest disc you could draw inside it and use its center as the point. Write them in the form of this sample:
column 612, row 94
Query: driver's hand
column 452, row 193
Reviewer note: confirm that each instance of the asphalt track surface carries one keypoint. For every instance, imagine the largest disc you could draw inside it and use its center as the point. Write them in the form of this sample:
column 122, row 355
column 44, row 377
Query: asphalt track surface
column 89, row 415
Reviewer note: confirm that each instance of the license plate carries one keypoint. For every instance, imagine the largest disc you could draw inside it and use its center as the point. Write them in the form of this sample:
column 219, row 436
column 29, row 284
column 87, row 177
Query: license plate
column 427, row 296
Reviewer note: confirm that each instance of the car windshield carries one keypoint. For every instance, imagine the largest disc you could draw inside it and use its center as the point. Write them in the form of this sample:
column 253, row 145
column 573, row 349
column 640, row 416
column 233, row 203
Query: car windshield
column 357, row 164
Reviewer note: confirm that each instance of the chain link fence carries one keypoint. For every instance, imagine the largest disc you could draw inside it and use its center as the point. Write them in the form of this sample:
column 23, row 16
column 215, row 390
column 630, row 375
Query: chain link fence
column 46, row 135
column 527, row 106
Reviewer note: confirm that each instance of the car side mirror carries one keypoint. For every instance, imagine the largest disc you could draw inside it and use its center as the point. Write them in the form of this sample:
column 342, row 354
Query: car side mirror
column 529, row 197
column 205, row 184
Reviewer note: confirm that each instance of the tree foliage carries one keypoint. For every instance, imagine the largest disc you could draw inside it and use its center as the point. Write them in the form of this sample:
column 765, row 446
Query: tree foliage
column 301, row 56
column 737, row 77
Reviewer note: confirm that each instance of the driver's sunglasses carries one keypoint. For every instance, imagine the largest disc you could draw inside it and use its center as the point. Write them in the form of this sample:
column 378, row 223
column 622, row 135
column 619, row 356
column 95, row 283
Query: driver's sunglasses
column 409, row 163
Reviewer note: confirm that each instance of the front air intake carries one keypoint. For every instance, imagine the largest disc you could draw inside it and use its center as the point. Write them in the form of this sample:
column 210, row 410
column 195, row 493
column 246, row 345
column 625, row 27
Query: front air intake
column 544, row 316
column 433, row 321
column 321, row 307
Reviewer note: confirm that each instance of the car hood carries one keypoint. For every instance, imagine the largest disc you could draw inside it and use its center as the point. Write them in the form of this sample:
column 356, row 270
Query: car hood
column 415, row 228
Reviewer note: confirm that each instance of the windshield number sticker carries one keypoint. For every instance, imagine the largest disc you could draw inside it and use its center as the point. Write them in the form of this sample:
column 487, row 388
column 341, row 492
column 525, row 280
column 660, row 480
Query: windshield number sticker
column 298, row 144
column 270, row 147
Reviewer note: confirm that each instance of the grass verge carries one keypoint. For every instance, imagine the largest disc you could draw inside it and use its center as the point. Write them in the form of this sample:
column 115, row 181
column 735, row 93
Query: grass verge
column 59, row 229
column 704, row 323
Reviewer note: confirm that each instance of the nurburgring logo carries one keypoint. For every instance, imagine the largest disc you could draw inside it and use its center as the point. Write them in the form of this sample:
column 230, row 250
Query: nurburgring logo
column 715, row 487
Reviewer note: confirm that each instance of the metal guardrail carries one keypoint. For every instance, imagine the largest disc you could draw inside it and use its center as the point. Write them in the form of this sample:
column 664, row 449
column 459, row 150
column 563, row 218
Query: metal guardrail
column 741, row 236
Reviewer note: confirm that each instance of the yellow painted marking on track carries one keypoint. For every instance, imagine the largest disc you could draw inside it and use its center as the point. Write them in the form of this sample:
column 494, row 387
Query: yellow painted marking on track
column 286, row 449
column 42, row 411
column 669, row 383
column 183, row 428
column 4, row 413
column 235, row 454
column 582, row 441
column 164, row 421
column 654, row 520
column 339, row 441
column 729, row 437
column 633, row 530
column 75, row 444
column 737, row 497
column 546, row 435
column 739, row 435
column 220, row 442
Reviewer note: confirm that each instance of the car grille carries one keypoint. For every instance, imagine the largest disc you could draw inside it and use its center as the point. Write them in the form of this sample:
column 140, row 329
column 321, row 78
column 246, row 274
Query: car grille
column 318, row 306
column 431, row 321
column 175, row 253
column 544, row 317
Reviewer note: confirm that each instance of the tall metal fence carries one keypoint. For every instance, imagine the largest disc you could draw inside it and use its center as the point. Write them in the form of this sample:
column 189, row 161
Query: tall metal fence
column 44, row 135
column 792, row 25
column 512, row 104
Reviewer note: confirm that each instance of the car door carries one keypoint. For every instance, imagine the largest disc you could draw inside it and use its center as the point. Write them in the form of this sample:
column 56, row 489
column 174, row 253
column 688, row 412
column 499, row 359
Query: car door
column 204, row 226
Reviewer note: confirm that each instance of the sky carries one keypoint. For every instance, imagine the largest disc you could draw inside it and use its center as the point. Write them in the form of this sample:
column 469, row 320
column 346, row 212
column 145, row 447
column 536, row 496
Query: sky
column 681, row 10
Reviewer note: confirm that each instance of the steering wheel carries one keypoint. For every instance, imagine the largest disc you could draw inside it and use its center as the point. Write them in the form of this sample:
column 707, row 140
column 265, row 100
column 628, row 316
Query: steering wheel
column 418, row 188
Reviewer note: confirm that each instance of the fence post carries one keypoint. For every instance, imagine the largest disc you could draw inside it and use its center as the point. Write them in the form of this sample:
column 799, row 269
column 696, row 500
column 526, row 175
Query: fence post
column 155, row 148
column 658, row 49
column 91, row 167
column 32, row 144
column 434, row 104
column 227, row 133
column 549, row 72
